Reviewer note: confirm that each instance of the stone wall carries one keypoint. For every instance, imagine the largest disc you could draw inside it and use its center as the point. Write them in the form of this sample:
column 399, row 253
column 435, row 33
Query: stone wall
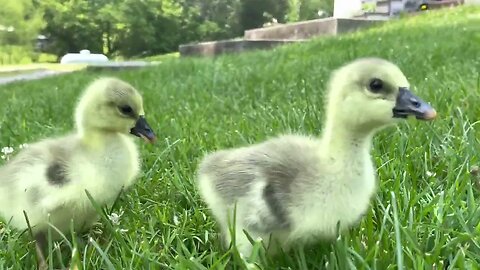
column 228, row 46
column 309, row 29
column 266, row 38
column 299, row 30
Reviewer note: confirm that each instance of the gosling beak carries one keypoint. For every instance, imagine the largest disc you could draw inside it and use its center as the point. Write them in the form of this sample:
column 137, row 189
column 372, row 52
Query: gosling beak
column 409, row 104
column 143, row 130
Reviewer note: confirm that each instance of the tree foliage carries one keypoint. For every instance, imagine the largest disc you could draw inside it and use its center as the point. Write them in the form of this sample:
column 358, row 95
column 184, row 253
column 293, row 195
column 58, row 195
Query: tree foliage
column 144, row 27
column 254, row 13
column 20, row 21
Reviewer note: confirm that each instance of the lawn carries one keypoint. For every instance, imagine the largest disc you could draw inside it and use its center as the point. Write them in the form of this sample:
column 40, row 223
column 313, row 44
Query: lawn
column 425, row 216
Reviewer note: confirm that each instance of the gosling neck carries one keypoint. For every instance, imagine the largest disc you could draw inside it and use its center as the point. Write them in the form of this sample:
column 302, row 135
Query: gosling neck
column 341, row 139
column 93, row 136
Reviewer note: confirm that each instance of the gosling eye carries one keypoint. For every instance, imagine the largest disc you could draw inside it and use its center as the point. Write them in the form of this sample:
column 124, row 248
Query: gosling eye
column 376, row 85
column 126, row 110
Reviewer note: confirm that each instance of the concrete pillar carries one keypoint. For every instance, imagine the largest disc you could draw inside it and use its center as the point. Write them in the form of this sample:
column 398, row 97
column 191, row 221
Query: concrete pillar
column 347, row 8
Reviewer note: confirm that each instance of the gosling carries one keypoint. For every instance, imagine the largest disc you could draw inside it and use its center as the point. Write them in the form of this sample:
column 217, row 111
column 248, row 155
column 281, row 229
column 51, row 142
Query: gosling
column 298, row 189
column 47, row 181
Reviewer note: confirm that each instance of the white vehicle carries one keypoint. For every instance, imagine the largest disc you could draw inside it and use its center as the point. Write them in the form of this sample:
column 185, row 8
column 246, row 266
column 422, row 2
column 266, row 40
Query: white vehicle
column 84, row 57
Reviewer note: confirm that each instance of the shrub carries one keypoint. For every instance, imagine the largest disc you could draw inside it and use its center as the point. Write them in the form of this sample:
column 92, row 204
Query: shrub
column 14, row 54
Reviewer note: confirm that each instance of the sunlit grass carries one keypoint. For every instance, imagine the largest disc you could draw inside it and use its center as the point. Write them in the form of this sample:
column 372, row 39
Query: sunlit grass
column 425, row 216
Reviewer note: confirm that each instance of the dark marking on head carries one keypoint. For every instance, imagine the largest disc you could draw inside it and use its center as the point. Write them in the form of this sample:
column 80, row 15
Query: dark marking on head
column 56, row 174
column 382, row 89
column 376, row 85
column 128, row 111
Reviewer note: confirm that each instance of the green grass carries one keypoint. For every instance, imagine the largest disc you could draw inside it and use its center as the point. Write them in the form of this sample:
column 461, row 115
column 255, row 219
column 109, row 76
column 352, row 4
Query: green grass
column 425, row 216
column 161, row 57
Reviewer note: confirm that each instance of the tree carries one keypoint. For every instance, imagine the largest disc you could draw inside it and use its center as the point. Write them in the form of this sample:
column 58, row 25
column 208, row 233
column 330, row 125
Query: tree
column 145, row 27
column 254, row 13
column 20, row 22
column 114, row 27
column 210, row 19
column 72, row 25
column 300, row 10
column 150, row 27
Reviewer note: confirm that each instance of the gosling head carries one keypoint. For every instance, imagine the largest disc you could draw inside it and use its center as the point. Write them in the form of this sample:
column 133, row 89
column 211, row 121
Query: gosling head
column 112, row 105
column 370, row 93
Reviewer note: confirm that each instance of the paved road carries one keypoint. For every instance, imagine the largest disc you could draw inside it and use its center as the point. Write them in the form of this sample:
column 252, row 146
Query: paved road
column 29, row 76
column 40, row 74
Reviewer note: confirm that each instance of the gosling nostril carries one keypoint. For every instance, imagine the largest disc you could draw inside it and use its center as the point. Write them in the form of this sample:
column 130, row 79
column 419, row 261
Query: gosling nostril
column 415, row 103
